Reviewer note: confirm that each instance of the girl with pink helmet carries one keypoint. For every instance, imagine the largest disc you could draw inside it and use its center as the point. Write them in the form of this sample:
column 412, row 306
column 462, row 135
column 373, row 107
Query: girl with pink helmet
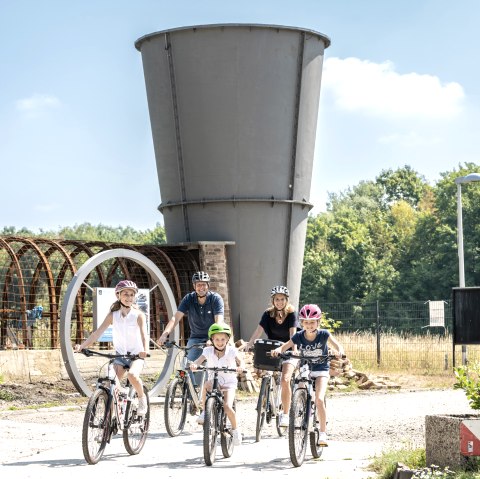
column 313, row 341
column 129, row 329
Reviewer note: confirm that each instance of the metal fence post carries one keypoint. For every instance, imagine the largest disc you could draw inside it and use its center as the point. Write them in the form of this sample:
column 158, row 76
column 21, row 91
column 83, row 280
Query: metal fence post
column 378, row 335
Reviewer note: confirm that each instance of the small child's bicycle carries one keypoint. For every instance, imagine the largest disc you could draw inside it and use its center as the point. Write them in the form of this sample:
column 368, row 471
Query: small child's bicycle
column 112, row 408
column 215, row 420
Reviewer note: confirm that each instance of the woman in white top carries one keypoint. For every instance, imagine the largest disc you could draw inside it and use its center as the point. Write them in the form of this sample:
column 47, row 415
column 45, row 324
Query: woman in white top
column 129, row 336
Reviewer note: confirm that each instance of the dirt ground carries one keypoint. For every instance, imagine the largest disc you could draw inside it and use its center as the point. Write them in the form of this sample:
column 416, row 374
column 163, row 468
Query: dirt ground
column 44, row 394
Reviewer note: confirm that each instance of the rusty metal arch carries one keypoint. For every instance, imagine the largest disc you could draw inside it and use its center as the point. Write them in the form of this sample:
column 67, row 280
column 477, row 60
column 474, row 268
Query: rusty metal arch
column 16, row 265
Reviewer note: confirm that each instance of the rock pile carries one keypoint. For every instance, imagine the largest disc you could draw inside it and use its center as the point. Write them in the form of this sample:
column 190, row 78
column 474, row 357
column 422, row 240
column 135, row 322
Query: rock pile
column 342, row 376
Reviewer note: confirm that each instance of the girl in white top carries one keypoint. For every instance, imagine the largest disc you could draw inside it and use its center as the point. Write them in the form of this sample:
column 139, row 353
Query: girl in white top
column 129, row 336
column 222, row 354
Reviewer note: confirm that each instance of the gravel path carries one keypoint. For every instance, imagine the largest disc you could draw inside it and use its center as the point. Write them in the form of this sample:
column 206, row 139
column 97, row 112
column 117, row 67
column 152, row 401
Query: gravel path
column 390, row 417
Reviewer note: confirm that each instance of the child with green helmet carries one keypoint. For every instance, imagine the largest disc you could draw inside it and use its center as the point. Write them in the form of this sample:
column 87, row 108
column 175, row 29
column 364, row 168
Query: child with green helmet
column 222, row 353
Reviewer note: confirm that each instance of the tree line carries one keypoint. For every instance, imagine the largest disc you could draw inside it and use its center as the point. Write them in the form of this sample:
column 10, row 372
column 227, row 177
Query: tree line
column 389, row 239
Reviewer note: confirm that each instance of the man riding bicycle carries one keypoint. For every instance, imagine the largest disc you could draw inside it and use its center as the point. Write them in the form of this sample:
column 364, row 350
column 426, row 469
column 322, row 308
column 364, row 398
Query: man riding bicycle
column 203, row 308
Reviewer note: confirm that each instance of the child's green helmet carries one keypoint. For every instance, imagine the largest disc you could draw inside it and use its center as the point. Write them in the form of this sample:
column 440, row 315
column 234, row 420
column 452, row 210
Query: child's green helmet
column 219, row 328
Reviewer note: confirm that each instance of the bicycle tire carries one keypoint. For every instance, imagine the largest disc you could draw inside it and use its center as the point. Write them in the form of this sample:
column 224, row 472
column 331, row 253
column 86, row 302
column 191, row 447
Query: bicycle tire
column 314, row 448
column 262, row 407
column 210, row 431
column 175, row 407
column 96, row 426
column 277, row 397
column 226, row 435
column 298, row 427
column 136, row 427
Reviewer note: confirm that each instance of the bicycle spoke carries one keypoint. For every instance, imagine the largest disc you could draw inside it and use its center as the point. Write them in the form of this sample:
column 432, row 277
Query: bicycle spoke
column 95, row 430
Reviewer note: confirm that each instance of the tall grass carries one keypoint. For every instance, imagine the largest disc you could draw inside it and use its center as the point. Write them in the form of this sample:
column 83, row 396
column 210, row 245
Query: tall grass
column 425, row 354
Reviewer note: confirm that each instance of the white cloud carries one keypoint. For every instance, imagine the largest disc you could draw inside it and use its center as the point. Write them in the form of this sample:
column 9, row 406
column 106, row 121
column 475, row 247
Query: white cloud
column 46, row 207
column 409, row 139
column 37, row 104
column 377, row 89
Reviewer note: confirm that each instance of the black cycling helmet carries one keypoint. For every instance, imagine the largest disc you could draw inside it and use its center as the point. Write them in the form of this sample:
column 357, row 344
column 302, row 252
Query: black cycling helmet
column 200, row 276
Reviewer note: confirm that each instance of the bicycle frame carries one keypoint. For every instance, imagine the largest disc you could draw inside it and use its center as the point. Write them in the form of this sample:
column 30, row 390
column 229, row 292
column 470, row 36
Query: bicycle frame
column 181, row 393
column 111, row 408
column 215, row 419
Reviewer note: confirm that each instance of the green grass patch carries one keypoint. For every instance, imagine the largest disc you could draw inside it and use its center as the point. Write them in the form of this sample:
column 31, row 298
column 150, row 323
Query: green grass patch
column 385, row 465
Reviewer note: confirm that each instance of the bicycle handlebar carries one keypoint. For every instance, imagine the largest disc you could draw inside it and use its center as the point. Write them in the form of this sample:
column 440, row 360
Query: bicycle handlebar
column 309, row 359
column 219, row 368
column 91, row 352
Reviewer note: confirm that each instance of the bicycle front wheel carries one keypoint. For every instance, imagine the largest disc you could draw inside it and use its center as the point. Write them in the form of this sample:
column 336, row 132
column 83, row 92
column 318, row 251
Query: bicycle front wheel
column 96, row 426
column 210, row 431
column 262, row 406
column 175, row 408
column 298, row 427
column 277, row 397
column 136, row 427
column 226, row 435
column 314, row 448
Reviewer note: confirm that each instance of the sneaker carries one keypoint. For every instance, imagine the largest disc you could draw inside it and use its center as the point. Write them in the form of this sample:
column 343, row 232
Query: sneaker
column 283, row 420
column 322, row 439
column 237, row 437
column 142, row 406
column 201, row 418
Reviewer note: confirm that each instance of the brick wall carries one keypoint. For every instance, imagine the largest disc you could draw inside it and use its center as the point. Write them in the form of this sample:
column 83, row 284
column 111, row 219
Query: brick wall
column 213, row 260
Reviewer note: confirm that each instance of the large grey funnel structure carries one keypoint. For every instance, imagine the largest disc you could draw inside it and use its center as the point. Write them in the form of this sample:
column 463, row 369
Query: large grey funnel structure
column 233, row 110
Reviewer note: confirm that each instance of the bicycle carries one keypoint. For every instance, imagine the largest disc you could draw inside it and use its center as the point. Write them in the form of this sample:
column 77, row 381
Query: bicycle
column 215, row 420
column 269, row 404
column 181, row 394
column 303, row 411
column 111, row 408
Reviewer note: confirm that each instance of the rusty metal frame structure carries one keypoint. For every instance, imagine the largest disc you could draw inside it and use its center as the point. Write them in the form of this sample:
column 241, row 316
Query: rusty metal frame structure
column 52, row 264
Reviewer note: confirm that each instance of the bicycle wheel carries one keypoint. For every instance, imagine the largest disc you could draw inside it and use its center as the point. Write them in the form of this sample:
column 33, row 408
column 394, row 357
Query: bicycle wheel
column 314, row 448
column 96, row 426
column 175, row 408
column 226, row 436
column 277, row 397
column 136, row 427
column 262, row 406
column 210, row 430
column 298, row 427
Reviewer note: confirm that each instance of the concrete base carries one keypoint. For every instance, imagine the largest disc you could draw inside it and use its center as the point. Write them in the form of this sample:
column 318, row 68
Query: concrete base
column 442, row 440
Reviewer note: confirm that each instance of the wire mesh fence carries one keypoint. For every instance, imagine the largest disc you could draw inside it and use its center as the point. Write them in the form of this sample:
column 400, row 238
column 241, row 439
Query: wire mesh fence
column 398, row 335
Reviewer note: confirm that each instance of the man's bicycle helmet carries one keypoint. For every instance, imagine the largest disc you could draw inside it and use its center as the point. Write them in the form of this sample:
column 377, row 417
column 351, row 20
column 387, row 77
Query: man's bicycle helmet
column 219, row 328
column 280, row 290
column 200, row 276
column 126, row 284
column 310, row 311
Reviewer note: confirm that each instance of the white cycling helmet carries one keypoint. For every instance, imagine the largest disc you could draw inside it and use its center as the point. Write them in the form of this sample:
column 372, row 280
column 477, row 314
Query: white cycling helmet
column 200, row 276
column 280, row 290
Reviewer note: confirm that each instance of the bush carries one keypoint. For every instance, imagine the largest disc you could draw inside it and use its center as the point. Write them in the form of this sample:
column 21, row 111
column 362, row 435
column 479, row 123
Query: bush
column 468, row 380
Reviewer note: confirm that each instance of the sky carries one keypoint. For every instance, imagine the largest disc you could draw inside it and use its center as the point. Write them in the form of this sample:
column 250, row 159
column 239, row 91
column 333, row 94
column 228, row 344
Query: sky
column 400, row 87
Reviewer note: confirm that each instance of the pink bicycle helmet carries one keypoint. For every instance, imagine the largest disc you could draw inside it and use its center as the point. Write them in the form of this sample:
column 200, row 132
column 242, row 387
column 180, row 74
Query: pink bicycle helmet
column 126, row 284
column 310, row 311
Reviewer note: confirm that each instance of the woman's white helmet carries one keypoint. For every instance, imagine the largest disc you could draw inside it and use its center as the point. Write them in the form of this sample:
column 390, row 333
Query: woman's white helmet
column 280, row 290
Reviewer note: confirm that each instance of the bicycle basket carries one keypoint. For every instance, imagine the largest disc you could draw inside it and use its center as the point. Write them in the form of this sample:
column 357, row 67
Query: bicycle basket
column 260, row 358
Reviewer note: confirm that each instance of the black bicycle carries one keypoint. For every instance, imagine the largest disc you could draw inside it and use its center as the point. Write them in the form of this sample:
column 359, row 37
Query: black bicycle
column 269, row 404
column 112, row 408
column 215, row 420
column 304, row 421
column 181, row 394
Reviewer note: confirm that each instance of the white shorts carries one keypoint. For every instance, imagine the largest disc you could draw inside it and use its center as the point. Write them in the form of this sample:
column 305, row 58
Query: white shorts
column 319, row 374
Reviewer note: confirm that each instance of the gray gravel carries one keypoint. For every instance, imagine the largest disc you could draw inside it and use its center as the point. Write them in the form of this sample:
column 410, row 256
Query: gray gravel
column 393, row 418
